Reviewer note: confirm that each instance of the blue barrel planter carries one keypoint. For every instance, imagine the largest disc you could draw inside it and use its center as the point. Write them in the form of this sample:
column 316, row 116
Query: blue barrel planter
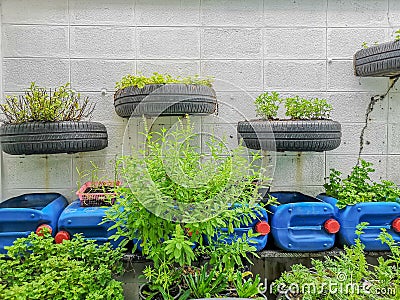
column 85, row 220
column 21, row 215
column 377, row 214
column 257, row 225
column 302, row 223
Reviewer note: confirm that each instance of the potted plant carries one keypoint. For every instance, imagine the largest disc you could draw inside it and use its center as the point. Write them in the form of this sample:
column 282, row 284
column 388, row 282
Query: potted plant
column 174, row 195
column 164, row 95
column 308, row 129
column 378, row 60
column 358, row 199
column 37, row 268
column 47, row 122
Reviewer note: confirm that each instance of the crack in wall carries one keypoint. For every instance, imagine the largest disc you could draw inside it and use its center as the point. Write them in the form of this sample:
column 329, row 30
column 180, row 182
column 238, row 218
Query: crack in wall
column 375, row 99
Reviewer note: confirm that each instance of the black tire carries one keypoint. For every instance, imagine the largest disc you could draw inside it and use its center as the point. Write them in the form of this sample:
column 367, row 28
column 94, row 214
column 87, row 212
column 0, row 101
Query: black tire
column 287, row 135
column 165, row 100
column 53, row 137
column 379, row 61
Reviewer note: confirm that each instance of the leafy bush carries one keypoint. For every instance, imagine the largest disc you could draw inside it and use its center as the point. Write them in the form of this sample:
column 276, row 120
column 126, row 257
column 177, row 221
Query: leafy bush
column 267, row 105
column 41, row 105
column 36, row 268
column 308, row 109
column 358, row 187
column 140, row 80
column 347, row 276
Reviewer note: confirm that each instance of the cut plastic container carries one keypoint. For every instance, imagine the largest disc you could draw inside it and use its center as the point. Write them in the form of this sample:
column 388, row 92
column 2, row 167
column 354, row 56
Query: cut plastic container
column 97, row 199
column 21, row 215
column 378, row 214
column 85, row 220
column 258, row 225
column 302, row 223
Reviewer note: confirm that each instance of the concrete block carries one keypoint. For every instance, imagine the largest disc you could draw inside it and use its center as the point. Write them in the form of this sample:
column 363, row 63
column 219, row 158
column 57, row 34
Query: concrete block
column 341, row 78
column 102, row 42
column 232, row 13
column 229, row 43
column 48, row 72
column 174, row 67
column 35, row 41
column 95, row 75
column 37, row 171
column 352, row 106
column 290, row 13
column 234, row 75
column 102, row 12
column 375, row 139
column 236, row 106
column 177, row 43
column 34, row 11
column 343, row 43
column 369, row 13
column 295, row 75
column 393, row 166
column 394, row 138
column 394, row 13
column 294, row 43
column 170, row 13
column 345, row 164
column 223, row 132
column 394, row 107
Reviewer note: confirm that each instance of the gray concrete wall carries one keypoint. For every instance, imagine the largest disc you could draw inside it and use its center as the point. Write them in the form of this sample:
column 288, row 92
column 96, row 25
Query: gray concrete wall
column 300, row 47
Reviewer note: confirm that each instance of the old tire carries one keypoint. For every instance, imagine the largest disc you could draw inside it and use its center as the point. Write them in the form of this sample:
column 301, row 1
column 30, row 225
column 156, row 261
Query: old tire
column 380, row 60
column 288, row 135
column 53, row 137
column 165, row 100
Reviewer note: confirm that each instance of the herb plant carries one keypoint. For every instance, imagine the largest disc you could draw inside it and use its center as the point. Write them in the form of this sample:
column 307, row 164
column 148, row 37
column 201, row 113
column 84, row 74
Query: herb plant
column 41, row 105
column 267, row 105
column 307, row 109
column 37, row 268
column 140, row 80
column 358, row 187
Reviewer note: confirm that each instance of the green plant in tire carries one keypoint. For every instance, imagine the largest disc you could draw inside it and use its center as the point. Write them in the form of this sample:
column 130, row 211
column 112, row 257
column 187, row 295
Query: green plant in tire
column 39, row 104
column 358, row 187
column 267, row 105
column 307, row 109
column 37, row 268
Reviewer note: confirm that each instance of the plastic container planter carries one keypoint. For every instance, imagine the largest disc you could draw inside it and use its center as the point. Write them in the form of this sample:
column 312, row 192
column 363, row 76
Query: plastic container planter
column 21, row 215
column 302, row 223
column 98, row 197
column 258, row 225
column 165, row 100
column 77, row 219
column 382, row 60
column 378, row 214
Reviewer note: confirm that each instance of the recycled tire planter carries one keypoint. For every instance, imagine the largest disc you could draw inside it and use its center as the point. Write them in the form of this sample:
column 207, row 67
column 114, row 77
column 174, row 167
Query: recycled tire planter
column 380, row 60
column 290, row 135
column 53, row 137
column 165, row 100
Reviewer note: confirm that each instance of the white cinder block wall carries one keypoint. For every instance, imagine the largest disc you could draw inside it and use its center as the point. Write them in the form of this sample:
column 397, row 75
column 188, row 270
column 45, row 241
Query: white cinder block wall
column 300, row 47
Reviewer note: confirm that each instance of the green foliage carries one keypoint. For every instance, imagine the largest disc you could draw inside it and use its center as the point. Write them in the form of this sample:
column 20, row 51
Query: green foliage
column 140, row 80
column 397, row 36
column 307, row 109
column 41, row 105
column 247, row 288
column 267, row 105
column 347, row 276
column 36, row 268
column 358, row 187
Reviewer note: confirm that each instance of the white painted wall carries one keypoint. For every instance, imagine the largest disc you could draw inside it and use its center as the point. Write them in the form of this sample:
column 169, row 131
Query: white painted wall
column 300, row 47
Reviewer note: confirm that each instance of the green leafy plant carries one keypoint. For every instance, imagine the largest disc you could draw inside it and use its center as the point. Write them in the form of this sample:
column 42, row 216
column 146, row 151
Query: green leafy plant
column 358, row 187
column 267, row 105
column 37, row 268
column 247, row 288
column 41, row 105
column 140, row 80
column 309, row 109
column 397, row 36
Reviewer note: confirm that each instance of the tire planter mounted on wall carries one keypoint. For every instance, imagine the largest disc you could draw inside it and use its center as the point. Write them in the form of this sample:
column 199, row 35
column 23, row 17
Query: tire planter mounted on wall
column 380, row 60
column 165, row 100
column 290, row 135
column 53, row 137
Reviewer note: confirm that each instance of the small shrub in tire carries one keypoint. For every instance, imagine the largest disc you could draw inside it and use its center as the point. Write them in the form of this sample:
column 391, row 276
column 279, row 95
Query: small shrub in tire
column 53, row 137
column 165, row 100
column 379, row 60
column 287, row 135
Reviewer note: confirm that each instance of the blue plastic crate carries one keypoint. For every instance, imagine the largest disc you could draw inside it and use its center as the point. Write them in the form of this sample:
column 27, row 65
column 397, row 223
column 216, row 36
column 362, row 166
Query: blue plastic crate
column 85, row 220
column 302, row 223
column 21, row 215
column 378, row 215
